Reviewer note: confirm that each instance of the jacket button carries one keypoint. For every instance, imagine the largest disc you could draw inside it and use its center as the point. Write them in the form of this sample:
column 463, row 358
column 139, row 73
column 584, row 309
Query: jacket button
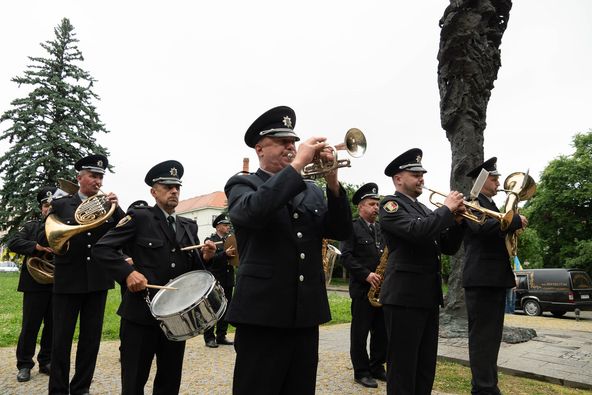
column 89, row 234
column 173, row 250
column 88, row 258
column 88, row 246
column 301, row 278
column 299, row 235
column 173, row 264
column 149, row 244
column 295, row 215
column 302, row 255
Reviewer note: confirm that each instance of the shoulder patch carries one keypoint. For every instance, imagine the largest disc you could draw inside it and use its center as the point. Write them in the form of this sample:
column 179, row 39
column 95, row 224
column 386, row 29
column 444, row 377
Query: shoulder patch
column 391, row 206
column 123, row 221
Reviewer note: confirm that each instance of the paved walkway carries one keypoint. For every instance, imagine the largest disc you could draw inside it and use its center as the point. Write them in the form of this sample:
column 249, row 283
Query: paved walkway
column 556, row 355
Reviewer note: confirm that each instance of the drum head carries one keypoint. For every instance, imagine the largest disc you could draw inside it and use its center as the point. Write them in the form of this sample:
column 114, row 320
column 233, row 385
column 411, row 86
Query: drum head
column 192, row 287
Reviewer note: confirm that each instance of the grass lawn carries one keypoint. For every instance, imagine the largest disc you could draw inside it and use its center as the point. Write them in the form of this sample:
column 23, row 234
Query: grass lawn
column 450, row 377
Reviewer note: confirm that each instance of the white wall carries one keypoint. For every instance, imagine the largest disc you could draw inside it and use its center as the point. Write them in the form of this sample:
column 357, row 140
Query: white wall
column 204, row 218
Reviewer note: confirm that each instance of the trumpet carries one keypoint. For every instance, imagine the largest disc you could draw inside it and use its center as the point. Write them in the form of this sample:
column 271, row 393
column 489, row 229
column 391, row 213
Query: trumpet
column 474, row 206
column 354, row 143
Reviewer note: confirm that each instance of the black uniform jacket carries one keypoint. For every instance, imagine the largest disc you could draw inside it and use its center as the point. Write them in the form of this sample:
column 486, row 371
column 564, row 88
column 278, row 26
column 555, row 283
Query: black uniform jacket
column 145, row 236
column 76, row 271
column 360, row 256
column 24, row 242
column 487, row 263
column 279, row 224
column 219, row 266
column 415, row 238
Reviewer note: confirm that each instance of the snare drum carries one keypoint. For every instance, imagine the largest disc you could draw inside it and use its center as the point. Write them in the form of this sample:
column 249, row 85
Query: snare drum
column 196, row 305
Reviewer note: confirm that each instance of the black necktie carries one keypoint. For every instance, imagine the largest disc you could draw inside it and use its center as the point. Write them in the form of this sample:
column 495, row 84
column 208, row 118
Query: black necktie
column 373, row 232
column 171, row 221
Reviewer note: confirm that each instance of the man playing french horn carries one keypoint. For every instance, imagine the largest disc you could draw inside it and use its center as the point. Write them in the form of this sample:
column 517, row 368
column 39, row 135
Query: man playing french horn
column 360, row 255
column 280, row 220
column 80, row 285
column 37, row 307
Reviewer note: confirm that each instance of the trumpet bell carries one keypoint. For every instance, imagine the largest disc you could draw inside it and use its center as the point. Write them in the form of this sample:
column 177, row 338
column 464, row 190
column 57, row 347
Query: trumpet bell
column 355, row 142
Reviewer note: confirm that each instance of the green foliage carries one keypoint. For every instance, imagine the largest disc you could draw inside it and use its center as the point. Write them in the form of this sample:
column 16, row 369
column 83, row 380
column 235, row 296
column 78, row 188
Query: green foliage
column 50, row 128
column 561, row 211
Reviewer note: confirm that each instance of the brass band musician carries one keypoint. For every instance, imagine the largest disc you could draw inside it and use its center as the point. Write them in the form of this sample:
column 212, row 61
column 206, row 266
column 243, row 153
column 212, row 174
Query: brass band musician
column 360, row 255
column 37, row 297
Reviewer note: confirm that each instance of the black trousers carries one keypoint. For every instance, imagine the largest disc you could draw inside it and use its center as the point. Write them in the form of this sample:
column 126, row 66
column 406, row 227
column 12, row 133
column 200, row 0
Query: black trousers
column 139, row 345
column 66, row 309
column 412, row 349
column 485, row 310
column 37, row 308
column 367, row 319
column 221, row 327
column 275, row 361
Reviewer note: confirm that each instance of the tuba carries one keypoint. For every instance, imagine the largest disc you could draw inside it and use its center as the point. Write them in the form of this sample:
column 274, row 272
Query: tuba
column 329, row 255
column 520, row 187
column 374, row 292
column 92, row 212
column 354, row 143
column 41, row 268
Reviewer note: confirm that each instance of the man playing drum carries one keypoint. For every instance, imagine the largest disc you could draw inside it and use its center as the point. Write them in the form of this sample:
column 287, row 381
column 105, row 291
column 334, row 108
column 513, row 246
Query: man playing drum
column 153, row 238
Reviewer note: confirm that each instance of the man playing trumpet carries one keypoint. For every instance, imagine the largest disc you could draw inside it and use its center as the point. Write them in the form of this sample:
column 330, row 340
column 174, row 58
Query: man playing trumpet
column 280, row 220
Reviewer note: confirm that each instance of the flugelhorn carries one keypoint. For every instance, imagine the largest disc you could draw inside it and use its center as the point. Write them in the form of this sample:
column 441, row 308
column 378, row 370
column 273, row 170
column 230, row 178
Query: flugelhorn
column 474, row 206
column 354, row 143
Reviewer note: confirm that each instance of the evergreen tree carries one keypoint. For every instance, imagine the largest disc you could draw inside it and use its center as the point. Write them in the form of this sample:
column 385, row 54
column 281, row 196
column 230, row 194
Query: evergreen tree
column 49, row 129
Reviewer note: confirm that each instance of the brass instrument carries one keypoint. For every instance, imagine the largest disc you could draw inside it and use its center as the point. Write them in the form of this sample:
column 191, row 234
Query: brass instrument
column 354, row 142
column 519, row 186
column 92, row 212
column 41, row 268
column 230, row 241
column 373, row 294
column 503, row 218
column 329, row 255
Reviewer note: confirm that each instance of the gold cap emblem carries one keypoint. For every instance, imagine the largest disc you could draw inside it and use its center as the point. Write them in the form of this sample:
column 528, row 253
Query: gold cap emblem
column 287, row 122
column 173, row 172
column 100, row 163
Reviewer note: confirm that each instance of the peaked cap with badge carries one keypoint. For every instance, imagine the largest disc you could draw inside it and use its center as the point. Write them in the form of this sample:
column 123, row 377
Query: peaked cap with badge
column 409, row 160
column 45, row 193
column 490, row 165
column 277, row 122
column 94, row 163
column 168, row 172
column 369, row 190
column 221, row 219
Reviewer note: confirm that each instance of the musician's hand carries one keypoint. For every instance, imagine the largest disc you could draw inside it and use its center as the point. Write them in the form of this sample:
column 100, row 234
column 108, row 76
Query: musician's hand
column 129, row 260
column 208, row 250
column 112, row 198
column 230, row 251
column 41, row 248
column 524, row 221
column 454, row 201
column 136, row 281
column 374, row 279
column 307, row 151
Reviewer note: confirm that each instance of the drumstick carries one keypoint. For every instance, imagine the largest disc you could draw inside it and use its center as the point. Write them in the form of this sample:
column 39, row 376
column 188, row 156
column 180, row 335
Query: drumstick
column 199, row 246
column 161, row 287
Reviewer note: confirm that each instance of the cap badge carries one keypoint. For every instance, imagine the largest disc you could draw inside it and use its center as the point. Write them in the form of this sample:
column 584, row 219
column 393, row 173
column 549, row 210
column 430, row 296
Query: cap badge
column 374, row 190
column 418, row 158
column 173, row 172
column 48, row 194
column 100, row 163
column 287, row 122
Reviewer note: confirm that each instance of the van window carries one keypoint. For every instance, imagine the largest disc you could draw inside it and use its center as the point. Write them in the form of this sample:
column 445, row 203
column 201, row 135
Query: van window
column 522, row 283
column 580, row 280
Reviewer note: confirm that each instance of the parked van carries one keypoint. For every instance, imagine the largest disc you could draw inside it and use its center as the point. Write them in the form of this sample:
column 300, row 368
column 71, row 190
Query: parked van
column 555, row 290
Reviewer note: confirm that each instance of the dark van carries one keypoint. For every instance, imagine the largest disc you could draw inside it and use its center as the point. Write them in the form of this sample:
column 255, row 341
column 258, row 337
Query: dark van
column 555, row 290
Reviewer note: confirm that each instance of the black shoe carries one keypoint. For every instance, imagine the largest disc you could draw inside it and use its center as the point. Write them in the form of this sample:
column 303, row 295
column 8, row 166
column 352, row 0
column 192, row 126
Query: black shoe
column 367, row 382
column 24, row 374
column 379, row 376
column 44, row 368
column 211, row 343
column 224, row 340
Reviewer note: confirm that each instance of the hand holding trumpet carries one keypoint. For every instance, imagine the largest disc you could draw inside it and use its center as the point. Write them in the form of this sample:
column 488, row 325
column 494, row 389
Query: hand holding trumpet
column 315, row 149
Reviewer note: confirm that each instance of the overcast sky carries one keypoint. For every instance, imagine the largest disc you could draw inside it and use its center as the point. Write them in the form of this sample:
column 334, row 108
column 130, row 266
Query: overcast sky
column 184, row 79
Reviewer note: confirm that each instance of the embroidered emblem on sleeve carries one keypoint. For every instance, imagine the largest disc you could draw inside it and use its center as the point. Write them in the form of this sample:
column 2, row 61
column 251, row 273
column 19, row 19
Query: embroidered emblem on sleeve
column 123, row 221
column 391, row 206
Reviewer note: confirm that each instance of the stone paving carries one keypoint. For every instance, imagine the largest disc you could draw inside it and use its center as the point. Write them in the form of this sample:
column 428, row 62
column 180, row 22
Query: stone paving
column 558, row 355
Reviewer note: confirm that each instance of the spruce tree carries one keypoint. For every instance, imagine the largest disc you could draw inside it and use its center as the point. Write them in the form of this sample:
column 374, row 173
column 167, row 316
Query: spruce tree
column 49, row 129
